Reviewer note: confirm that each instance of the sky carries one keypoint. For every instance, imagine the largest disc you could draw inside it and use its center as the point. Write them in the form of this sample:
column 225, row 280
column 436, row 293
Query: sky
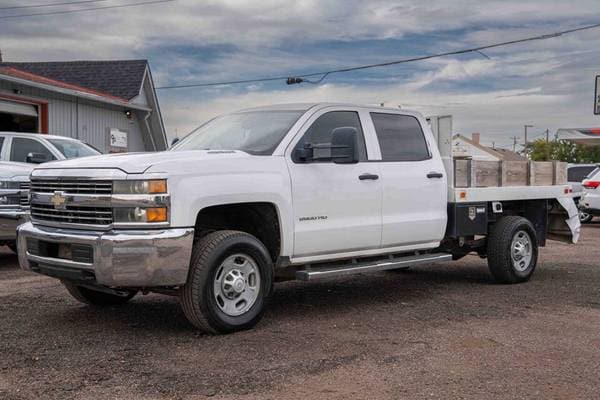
column 548, row 84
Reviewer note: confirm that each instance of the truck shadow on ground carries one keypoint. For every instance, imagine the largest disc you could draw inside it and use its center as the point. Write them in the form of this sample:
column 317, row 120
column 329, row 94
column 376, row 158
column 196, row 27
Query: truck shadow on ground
column 425, row 292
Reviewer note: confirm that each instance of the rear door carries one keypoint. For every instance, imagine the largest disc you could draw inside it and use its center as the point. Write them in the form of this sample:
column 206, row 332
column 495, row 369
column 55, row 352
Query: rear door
column 337, row 207
column 414, row 182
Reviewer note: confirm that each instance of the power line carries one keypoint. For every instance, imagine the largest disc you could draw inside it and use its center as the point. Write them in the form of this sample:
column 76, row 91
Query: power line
column 86, row 9
column 299, row 78
column 50, row 5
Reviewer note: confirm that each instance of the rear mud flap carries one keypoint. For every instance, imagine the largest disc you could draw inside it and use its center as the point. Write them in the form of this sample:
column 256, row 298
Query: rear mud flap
column 563, row 221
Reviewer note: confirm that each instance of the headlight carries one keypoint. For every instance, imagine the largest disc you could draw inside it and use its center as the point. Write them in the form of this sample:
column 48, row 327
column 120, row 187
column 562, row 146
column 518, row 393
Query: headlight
column 140, row 215
column 155, row 186
column 9, row 185
column 9, row 200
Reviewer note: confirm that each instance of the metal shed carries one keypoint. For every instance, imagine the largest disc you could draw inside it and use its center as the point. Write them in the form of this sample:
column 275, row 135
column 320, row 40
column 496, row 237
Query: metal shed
column 111, row 105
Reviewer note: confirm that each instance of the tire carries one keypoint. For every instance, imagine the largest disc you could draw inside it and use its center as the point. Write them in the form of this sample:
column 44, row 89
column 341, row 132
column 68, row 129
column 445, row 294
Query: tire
column 585, row 218
column 12, row 247
column 96, row 298
column 512, row 250
column 220, row 259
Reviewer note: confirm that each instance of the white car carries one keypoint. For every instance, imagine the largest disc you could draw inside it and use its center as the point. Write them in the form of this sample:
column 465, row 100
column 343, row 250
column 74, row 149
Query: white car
column 19, row 154
column 14, row 201
column 590, row 201
column 40, row 148
column 576, row 174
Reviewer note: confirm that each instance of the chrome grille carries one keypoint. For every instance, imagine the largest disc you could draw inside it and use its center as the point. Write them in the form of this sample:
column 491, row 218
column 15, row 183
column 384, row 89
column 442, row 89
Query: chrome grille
column 72, row 186
column 24, row 200
column 72, row 215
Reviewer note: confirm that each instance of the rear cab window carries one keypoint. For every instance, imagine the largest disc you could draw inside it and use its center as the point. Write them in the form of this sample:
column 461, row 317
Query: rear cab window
column 400, row 137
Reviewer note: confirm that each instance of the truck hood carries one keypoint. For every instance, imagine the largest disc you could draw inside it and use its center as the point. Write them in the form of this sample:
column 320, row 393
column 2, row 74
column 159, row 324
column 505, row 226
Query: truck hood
column 11, row 170
column 138, row 163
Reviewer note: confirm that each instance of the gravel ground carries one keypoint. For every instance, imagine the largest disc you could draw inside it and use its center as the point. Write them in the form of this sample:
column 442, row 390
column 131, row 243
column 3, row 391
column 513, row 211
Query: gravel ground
column 439, row 331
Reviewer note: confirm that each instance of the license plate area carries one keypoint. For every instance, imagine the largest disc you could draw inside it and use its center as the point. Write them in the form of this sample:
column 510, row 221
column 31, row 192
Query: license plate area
column 82, row 253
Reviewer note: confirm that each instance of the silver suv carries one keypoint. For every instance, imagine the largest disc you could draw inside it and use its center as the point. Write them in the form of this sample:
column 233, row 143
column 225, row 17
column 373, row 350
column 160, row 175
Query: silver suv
column 576, row 173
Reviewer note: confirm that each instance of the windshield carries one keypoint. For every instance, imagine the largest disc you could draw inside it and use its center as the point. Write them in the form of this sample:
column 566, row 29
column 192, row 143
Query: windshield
column 255, row 132
column 73, row 149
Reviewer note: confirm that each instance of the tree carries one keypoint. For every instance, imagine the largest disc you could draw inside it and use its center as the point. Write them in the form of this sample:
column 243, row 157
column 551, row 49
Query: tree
column 562, row 150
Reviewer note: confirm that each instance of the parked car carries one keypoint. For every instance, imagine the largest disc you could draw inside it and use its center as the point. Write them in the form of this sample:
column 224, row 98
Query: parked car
column 38, row 148
column 21, row 152
column 304, row 191
column 590, row 201
column 14, row 200
column 576, row 173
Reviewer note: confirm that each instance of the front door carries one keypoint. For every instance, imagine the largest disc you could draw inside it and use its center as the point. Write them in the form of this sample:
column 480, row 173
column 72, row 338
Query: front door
column 337, row 207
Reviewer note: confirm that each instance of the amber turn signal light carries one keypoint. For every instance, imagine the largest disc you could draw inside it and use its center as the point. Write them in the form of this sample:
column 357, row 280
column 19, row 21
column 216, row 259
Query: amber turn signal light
column 157, row 214
column 157, row 186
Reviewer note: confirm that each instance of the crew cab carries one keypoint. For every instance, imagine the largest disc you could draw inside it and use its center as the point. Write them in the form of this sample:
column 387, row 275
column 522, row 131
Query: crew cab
column 300, row 191
column 21, row 152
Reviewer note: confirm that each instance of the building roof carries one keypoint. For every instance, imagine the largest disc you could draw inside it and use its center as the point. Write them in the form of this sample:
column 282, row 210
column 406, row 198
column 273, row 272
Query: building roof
column 119, row 78
column 500, row 154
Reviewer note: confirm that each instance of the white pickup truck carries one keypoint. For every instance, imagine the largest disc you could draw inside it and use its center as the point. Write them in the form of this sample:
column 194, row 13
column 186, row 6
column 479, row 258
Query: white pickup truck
column 300, row 191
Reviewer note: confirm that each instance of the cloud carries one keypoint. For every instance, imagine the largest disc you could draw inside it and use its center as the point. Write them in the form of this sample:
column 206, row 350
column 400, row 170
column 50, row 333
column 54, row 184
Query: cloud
column 545, row 83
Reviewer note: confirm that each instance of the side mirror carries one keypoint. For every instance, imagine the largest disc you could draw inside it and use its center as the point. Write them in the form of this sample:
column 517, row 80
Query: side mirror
column 37, row 158
column 344, row 145
column 342, row 150
column 174, row 141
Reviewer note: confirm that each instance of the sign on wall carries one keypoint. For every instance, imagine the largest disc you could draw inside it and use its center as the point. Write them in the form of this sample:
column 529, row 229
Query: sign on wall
column 117, row 140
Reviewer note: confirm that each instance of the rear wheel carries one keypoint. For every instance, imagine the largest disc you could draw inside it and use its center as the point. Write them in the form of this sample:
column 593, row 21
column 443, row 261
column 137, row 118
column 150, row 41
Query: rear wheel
column 512, row 250
column 584, row 217
column 97, row 298
column 229, row 283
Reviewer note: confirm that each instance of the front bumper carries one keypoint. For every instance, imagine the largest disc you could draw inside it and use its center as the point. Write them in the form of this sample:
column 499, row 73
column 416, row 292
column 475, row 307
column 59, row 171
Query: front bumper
column 126, row 258
column 9, row 221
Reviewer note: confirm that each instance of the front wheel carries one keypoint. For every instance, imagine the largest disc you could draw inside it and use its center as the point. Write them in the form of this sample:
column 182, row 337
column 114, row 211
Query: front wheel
column 97, row 298
column 512, row 250
column 584, row 217
column 229, row 283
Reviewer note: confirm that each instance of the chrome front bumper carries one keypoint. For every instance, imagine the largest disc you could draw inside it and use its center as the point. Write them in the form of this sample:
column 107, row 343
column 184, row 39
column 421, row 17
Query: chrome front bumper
column 126, row 258
column 9, row 221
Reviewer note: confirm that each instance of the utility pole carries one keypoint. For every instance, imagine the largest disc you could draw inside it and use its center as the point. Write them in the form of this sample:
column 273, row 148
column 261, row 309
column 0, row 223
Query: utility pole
column 527, row 126
column 547, row 135
column 514, row 138
column 0, row 55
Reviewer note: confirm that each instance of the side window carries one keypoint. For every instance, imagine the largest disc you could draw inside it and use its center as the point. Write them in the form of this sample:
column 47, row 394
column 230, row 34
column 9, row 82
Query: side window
column 21, row 147
column 400, row 137
column 320, row 131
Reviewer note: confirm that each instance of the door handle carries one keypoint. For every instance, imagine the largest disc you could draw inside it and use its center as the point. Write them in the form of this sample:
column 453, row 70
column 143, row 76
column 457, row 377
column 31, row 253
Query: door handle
column 372, row 177
column 435, row 175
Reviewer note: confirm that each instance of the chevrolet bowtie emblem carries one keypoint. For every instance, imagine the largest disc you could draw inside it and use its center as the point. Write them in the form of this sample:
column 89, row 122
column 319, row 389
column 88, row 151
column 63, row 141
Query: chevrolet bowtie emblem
column 58, row 200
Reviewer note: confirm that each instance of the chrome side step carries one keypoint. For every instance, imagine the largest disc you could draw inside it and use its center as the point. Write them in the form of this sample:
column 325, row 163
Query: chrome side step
column 314, row 273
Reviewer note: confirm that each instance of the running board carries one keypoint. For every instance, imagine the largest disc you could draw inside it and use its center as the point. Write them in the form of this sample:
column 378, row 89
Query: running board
column 314, row 273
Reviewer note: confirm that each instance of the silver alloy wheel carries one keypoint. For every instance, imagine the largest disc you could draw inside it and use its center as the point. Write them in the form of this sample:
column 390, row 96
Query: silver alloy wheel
column 521, row 251
column 583, row 216
column 237, row 284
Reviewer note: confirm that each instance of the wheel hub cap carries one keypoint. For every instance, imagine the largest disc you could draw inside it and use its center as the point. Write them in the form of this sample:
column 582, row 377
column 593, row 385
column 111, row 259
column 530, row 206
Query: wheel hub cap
column 237, row 284
column 521, row 251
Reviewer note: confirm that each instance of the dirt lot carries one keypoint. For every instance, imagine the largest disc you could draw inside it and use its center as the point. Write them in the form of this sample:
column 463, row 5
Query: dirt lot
column 442, row 331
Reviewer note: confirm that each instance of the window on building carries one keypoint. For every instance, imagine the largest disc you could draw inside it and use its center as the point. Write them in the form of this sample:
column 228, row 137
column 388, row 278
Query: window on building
column 320, row 131
column 21, row 147
column 400, row 137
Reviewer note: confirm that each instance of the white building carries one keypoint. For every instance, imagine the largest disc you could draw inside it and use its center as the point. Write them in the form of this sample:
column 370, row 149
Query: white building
column 463, row 147
column 93, row 101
